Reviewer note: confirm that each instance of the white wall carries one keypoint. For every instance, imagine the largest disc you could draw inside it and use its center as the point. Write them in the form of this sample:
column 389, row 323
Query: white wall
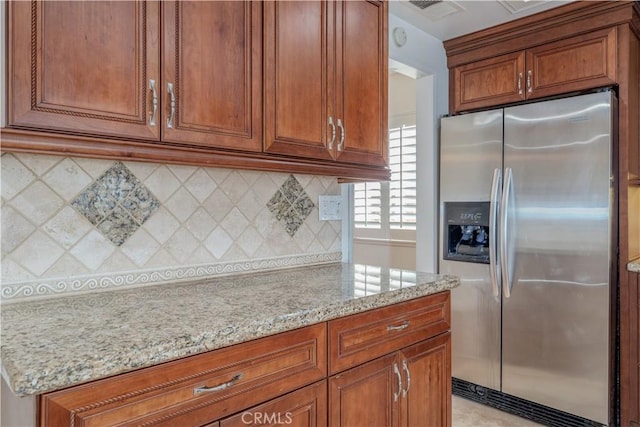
column 425, row 53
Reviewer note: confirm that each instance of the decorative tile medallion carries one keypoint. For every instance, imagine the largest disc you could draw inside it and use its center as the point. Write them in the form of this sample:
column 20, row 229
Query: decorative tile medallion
column 291, row 205
column 117, row 203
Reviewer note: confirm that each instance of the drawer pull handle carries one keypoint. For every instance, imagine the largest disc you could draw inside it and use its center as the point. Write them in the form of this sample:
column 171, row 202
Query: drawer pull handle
column 400, row 327
column 397, row 372
column 406, row 370
column 223, row 386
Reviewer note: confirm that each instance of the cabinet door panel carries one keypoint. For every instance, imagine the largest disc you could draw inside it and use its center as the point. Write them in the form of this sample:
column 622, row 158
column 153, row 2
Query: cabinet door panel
column 577, row 63
column 361, row 61
column 212, row 57
column 364, row 396
column 84, row 67
column 306, row 407
column 494, row 81
column 428, row 398
column 297, row 73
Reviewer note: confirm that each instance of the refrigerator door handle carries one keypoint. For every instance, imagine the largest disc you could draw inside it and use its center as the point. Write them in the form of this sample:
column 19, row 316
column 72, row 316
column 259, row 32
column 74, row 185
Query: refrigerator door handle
column 494, row 267
column 504, row 238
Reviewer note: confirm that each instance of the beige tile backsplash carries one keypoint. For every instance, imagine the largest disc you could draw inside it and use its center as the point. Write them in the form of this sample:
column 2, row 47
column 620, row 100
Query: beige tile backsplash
column 209, row 221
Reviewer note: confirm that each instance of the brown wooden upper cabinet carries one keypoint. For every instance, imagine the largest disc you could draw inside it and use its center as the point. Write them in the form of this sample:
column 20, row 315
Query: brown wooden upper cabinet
column 95, row 68
column 577, row 63
column 84, row 67
column 212, row 74
column 326, row 80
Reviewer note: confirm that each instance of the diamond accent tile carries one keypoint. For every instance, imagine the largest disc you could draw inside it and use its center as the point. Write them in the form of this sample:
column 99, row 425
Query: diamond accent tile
column 291, row 205
column 117, row 203
column 118, row 226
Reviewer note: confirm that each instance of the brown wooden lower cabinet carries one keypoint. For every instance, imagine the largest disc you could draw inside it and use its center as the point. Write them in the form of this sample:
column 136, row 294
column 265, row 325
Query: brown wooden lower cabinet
column 411, row 387
column 303, row 408
column 282, row 379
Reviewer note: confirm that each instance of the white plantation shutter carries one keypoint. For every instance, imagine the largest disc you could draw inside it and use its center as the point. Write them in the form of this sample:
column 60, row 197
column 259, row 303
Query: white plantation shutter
column 366, row 205
column 402, row 187
column 391, row 205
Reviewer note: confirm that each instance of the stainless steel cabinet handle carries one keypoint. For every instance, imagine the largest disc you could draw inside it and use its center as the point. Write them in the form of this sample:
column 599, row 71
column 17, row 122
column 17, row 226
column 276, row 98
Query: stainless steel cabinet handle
column 223, row 386
column 342, row 135
column 504, row 237
column 172, row 104
column 519, row 83
column 406, row 370
column 154, row 102
column 529, row 88
column 397, row 372
column 403, row 325
column 494, row 266
column 333, row 133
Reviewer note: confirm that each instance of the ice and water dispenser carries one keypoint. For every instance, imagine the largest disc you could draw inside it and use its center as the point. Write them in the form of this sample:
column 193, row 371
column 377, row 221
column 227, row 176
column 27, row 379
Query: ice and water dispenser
column 466, row 231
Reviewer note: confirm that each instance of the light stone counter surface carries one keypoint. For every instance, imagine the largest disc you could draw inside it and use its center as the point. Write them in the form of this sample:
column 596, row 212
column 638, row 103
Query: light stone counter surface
column 52, row 344
column 634, row 266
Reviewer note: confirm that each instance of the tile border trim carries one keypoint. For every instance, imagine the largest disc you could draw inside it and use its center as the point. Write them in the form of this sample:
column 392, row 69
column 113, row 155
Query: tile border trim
column 20, row 291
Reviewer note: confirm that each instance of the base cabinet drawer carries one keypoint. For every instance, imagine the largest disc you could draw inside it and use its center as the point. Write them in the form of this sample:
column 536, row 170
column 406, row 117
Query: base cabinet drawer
column 196, row 390
column 362, row 337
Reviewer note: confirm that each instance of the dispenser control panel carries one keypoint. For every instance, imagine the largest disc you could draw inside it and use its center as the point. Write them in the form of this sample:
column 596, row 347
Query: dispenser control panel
column 466, row 231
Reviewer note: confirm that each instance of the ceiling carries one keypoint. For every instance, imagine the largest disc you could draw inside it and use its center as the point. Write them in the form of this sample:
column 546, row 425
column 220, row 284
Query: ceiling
column 452, row 18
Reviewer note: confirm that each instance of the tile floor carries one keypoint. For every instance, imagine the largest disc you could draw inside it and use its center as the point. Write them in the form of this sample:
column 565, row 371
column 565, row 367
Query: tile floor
column 467, row 413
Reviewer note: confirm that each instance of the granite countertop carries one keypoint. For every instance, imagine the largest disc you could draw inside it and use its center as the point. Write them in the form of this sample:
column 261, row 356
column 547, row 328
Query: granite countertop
column 55, row 343
column 634, row 266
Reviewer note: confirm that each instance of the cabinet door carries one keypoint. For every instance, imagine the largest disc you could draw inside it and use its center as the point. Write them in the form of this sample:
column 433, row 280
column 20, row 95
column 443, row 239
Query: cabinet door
column 303, row 408
column 361, row 84
column 577, row 63
column 212, row 74
column 427, row 370
column 367, row 395
column 84, row 67
column 298, row 77
column 494, row 81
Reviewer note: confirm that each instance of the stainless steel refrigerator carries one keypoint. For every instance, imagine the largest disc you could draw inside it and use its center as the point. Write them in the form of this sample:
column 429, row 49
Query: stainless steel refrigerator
column 526, row 202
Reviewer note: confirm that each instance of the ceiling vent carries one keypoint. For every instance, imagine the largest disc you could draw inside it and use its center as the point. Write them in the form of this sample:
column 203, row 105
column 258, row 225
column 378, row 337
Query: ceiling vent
column 438, row 9
column 423, row 4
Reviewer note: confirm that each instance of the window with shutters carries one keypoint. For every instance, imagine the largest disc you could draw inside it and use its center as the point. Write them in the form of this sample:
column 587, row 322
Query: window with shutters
column 391, row 205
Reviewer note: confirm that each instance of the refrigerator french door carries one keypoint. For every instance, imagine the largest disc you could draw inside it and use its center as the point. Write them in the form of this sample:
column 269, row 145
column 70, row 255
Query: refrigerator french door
column 532, row 319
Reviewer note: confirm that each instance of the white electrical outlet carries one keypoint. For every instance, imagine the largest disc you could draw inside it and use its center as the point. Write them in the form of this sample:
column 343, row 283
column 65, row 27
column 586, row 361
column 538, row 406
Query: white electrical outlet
column 329, row 208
